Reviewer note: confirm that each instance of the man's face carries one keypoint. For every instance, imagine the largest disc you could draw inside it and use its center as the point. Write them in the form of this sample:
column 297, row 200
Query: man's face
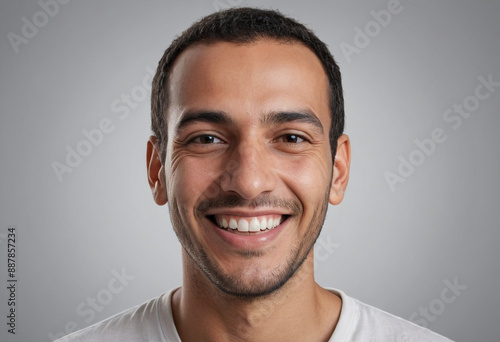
column 248, row 164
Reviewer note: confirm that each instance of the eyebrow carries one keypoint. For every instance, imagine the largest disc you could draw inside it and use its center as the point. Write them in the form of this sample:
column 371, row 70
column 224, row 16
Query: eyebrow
column 216, row 117
column 305, row 116
column 220, row 117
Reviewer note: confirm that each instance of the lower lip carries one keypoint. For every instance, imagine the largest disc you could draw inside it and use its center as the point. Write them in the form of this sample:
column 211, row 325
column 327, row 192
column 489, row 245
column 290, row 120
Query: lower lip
column 250, row 241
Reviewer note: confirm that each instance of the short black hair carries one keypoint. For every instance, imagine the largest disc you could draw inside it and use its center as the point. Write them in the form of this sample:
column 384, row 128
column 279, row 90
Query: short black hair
column 244, row 25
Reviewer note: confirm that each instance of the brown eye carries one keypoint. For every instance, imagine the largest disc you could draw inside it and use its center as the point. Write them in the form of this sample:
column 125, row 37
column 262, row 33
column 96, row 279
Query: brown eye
column 292, row 139
column 207, row 139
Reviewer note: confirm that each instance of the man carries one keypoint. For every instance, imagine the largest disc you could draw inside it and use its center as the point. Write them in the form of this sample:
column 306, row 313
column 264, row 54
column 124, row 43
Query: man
column 248, row 150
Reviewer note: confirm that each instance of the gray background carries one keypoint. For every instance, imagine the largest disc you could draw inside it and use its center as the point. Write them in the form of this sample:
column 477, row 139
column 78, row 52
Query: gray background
column 392, row 249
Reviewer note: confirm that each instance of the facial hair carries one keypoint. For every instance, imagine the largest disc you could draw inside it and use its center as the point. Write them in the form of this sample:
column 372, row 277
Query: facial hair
column 233, row 284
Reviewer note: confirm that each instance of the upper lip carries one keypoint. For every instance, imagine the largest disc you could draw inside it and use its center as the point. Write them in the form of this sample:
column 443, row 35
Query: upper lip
column 247, row 212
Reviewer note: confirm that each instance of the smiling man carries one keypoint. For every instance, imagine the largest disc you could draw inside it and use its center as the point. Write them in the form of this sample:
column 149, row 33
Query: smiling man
column 248, row 151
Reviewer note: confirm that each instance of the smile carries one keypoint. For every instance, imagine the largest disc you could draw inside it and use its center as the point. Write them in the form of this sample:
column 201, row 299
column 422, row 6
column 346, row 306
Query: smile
column 247, row 225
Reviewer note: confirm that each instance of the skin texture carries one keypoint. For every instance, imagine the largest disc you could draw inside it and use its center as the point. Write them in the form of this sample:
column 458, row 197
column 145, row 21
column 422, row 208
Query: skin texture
column 248, row 132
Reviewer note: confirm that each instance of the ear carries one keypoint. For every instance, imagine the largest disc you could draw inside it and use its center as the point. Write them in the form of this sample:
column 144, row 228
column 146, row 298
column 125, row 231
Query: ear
column 340, row 176
column 156, row 177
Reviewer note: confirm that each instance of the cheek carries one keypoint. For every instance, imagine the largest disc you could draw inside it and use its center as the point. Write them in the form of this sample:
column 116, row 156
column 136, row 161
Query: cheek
column 309, row 178
column 192, row 180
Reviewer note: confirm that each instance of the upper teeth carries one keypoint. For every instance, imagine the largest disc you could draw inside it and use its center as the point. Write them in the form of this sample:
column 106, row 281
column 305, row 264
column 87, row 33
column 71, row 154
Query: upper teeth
column 249, row 224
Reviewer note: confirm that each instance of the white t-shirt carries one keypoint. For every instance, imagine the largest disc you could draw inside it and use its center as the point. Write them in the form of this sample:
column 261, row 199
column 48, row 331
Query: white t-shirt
column 153, row 322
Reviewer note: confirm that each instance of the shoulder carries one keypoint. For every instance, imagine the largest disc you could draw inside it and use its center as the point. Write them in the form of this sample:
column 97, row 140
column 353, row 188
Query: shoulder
column 140, row 323
column 361, row 322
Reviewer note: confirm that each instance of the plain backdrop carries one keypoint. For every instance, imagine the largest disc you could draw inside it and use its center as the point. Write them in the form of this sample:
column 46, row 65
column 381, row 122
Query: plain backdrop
column 91, row 242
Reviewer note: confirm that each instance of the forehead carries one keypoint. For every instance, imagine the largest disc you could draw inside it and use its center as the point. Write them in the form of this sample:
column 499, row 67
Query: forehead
column 248, row 80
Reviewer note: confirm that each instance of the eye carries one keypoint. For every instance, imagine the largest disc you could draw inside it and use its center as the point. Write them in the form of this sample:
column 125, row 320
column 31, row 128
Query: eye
column 206, row 139
column 292, row 139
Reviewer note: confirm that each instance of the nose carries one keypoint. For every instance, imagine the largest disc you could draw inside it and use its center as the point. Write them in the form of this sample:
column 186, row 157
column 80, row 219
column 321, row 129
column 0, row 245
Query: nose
column 249, row 171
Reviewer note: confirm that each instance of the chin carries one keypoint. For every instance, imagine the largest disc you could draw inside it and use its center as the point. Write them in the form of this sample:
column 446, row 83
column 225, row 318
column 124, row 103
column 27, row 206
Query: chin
column 254, row 283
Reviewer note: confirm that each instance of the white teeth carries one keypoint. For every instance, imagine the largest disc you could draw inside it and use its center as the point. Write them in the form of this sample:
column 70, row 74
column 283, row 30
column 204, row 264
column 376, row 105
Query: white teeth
column 254, row 225
column 233, row 224
column 263, row 224
column 243, row 225
column 270, row 224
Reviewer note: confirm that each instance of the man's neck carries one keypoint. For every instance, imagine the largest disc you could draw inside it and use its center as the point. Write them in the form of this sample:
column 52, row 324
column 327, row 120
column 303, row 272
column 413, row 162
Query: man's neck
column 299, row 311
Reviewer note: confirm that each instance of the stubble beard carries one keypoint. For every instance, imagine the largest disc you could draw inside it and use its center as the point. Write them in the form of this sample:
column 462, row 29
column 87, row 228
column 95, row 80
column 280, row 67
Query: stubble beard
column 259, row 286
